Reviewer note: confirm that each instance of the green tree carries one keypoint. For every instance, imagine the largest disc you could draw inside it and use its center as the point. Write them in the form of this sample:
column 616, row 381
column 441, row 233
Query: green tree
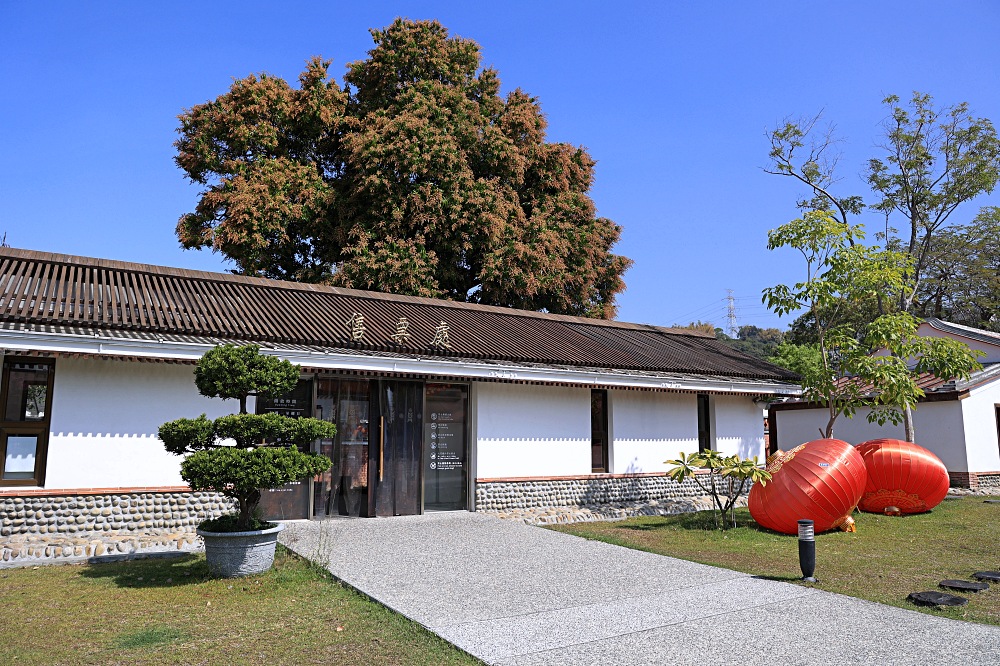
column 873, row 366
column 804, row 360
column 266, row 447
column 936, row 160
column 754, row 341
column 414, row 177
column 961, row 280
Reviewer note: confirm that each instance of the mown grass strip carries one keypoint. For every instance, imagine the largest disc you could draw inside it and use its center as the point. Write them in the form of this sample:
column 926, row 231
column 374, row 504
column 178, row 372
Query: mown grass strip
column 172, row 612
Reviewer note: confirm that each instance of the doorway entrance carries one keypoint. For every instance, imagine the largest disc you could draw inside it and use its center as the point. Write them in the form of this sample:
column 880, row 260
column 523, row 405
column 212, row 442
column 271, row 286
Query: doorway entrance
column 400, row 447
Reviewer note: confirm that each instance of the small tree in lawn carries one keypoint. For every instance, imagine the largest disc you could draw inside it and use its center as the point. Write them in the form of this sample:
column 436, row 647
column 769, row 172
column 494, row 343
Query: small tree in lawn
column 726, row 479
column 265, row 450
column 875, row 364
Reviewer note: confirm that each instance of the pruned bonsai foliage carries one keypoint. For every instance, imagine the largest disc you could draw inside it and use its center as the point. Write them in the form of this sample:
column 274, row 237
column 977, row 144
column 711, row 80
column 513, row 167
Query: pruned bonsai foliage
column 239, row 455
column 726, row 479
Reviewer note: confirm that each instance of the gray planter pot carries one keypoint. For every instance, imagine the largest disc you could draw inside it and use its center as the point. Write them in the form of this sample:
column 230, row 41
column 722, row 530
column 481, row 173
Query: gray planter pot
column 234, row 554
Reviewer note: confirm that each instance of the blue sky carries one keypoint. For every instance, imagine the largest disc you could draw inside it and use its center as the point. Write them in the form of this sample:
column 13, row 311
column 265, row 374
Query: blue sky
column 672, row 99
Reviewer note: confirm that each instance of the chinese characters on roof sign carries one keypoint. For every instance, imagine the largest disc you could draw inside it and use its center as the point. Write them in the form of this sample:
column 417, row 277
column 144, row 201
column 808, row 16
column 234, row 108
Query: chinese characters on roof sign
column 356, row 332
column 356, row 326
column 402, row 334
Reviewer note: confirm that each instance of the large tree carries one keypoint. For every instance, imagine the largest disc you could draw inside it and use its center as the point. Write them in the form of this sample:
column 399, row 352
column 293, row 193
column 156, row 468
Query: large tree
column 935, row 160
column 962, row 274
column 414, row 177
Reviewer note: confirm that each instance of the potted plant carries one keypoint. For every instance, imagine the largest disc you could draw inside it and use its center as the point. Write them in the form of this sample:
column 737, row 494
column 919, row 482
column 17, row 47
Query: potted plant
column 239, row 455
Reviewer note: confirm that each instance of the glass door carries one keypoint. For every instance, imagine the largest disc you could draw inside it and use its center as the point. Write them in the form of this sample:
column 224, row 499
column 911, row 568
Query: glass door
column 395, row 455
column 343, row 490
column 445, row 460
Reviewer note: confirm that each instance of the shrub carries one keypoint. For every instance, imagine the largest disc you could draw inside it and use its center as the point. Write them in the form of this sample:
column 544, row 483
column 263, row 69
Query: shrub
column 265, row 453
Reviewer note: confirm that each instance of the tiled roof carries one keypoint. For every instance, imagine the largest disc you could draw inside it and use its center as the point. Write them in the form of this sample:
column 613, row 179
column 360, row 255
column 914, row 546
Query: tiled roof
column 83, row 293
column 989, row 337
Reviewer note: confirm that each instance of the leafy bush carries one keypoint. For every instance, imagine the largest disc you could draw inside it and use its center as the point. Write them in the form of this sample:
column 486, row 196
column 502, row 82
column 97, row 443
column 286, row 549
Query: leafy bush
column 241, row 473
column 266, row 452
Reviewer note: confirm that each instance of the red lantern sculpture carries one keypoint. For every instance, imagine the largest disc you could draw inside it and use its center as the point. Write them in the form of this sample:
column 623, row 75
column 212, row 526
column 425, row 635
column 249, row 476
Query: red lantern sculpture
column 821, row 480
column 902, row 477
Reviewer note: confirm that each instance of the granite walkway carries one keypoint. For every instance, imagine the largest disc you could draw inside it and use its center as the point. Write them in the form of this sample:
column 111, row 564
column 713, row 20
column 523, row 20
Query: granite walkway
column 513, row 594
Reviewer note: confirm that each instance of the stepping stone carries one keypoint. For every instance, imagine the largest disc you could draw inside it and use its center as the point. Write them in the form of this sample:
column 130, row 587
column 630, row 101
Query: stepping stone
column 991, row 501
column 936, row 599
column 993, row 576
column 964, row 585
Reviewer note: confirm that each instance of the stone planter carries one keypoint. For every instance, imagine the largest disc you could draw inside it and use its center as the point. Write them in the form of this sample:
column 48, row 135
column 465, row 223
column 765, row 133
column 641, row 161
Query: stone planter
column 235, row 554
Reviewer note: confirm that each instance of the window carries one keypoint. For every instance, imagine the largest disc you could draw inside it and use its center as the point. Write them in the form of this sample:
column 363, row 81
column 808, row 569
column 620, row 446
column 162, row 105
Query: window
column 996, row 410
column 599, row 430
column 704, row 423
column 25, row 405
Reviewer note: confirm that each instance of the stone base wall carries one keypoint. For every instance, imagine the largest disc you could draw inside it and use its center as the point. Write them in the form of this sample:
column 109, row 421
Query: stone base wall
column 120, row 513
column 974, row 480
column 504, row 495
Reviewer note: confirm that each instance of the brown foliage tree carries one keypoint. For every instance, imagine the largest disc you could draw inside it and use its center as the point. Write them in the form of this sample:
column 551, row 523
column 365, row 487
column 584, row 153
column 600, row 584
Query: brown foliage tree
column 416, row 177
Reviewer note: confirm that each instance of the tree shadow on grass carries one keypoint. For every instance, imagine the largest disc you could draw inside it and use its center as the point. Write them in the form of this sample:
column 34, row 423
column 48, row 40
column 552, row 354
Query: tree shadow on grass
column 699, row 521
column 166, row 570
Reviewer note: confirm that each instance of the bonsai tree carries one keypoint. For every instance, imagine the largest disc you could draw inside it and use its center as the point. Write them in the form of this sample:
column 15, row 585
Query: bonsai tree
column 726, row 479
column 238, row 455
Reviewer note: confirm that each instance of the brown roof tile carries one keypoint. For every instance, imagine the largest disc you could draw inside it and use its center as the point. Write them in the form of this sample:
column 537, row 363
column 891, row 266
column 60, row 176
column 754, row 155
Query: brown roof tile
column 64, row 290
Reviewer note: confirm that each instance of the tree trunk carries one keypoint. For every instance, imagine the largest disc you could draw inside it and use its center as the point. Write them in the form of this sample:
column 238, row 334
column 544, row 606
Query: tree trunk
column 908, row 424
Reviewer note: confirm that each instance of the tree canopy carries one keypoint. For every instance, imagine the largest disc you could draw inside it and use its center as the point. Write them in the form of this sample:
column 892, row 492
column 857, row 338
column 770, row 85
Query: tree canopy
column 934, row 160
column 873, row 365
column 413, row 177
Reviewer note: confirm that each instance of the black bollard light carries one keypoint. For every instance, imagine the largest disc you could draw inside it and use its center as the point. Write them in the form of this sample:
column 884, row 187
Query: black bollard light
column 807, row 550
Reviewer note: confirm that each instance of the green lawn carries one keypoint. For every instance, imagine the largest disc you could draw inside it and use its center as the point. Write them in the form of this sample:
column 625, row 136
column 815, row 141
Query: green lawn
column 172, row 612
column 885, row 560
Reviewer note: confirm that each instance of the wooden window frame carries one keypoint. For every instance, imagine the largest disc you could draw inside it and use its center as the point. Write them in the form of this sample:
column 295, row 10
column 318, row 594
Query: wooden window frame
column 605, row 444
column 39, row 428
column 704, row 409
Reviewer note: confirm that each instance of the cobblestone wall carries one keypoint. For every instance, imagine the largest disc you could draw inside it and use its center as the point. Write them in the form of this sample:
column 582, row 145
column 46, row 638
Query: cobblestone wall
column 974, row 479
column 71, row 514
column 506, row 495
column 989, row 480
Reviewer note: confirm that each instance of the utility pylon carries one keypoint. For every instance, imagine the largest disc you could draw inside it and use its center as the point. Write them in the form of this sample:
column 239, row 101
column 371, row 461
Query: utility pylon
column 731, row 314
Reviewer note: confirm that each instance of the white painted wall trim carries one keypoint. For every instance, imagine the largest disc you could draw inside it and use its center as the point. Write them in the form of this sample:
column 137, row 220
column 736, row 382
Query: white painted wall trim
column 19, row 341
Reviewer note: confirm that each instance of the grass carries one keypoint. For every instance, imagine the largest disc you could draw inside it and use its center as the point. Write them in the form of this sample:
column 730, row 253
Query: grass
column 884, row 561
column 170, row 611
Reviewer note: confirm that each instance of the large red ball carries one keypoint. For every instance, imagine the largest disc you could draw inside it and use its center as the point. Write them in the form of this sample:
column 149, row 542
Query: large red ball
column 821, row 480
column 901, row 475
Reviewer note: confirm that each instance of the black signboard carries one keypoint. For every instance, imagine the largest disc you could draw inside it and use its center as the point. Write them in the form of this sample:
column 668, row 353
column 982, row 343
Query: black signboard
column 445, row 460
column 290, row 501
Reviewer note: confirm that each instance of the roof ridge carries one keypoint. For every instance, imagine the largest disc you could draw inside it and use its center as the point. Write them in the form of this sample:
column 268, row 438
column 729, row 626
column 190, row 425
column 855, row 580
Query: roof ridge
column 213, row 276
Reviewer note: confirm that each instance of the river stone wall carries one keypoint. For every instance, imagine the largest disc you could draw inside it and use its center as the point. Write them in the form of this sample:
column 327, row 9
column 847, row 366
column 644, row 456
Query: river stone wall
column 989, row 480
column 124, row 513
column 526, row 494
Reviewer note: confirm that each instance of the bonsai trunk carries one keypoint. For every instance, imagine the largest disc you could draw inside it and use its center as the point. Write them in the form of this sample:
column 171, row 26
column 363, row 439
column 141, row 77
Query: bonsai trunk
column 247, row 505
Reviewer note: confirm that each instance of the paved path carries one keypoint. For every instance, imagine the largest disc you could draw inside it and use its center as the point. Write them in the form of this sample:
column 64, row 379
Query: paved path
column 510, row 593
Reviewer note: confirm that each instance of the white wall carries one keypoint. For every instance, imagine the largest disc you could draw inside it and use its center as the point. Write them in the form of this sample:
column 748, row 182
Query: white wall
column 979, row 411
column 938, row 427
column 991, row 351
column 532, row 430
column 105, row 414
column 648, row 428
column 540, row 431
column 739, row 426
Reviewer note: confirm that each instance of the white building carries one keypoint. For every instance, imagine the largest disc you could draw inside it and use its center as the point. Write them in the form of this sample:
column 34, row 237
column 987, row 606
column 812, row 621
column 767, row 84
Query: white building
column 958, row 421
column 439, row 405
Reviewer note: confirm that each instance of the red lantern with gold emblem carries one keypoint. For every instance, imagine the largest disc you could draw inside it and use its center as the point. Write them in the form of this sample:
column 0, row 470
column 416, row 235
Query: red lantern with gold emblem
column 902, row 477
column 820, row 480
